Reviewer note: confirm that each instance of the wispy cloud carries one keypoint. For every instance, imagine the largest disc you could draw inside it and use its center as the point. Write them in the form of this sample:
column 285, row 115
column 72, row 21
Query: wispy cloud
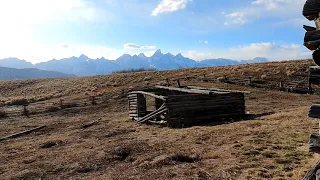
column 272, row 51
column 235, row 18
column 135, row 46
column 258, row 9
column 166, row 6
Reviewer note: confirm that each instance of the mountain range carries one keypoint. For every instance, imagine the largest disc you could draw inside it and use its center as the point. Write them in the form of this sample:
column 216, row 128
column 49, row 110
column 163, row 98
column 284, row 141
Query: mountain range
column 84, row 66
column 28, row 73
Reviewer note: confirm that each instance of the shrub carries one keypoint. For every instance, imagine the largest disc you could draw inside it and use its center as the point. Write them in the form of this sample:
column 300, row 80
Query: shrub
column 134, row 70
column 18, row 102
column 52, row 109
column 70, row 105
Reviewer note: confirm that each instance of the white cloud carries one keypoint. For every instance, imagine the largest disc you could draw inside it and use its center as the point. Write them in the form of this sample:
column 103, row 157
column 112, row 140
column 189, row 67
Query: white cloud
column 166, row 6
column 235, row 18
column 288, row 5
column 269, row 4
column 257, row 9
column 135, row 46
column 206, row 42
column 40, row 11
column 272, row 51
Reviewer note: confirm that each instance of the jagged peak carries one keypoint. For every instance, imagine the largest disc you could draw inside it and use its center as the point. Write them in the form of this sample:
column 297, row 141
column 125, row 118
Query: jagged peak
column 142, row 55
column 179, row 55
column 126, row 55
column 157, row 53
column 82, row 56
column 169, row 54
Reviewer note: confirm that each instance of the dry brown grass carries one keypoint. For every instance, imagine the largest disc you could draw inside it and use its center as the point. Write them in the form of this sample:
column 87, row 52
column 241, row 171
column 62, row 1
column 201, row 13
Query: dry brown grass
column 270, row 145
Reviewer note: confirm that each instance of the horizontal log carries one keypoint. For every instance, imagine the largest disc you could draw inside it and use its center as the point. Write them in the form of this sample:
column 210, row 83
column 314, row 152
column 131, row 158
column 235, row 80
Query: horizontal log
column 206, row 103
column 195, row 116
column 309, row 28
column 23, row 133
column 150, row 94
column 132, row 95
column 133, row 99
column 222, row 100
column 192, row 91
column 208, row 111
column 191, row 97
column 312, row 36
column 198, row 108
column 314, row 143
column 312, row 45
column 311, row 9
column 199, row 119
column 217, row 89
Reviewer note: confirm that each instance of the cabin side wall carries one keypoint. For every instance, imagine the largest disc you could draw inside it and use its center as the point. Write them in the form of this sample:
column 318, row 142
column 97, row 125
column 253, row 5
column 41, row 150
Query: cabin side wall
column 137, row 105
column 192, row 108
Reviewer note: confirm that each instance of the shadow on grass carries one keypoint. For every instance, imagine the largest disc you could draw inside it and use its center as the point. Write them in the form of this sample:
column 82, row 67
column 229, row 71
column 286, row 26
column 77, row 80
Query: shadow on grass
column 221, row 121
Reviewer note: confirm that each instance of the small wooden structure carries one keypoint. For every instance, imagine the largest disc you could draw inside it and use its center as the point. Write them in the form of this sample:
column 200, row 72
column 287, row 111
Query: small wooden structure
column 188, row 105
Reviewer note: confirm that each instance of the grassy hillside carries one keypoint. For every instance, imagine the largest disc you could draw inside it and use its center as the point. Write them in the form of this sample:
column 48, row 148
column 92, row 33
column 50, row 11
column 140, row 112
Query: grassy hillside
column 272, row 143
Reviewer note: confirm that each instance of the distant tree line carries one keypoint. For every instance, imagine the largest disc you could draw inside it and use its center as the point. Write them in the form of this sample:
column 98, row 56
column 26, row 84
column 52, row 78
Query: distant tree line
column 134, row 70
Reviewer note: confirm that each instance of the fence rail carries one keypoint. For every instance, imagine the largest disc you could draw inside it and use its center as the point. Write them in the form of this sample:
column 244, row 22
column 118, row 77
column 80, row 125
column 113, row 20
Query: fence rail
column 49, row 106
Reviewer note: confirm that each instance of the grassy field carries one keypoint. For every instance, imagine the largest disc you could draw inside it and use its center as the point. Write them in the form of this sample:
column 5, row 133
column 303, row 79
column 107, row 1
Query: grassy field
column 271, row 144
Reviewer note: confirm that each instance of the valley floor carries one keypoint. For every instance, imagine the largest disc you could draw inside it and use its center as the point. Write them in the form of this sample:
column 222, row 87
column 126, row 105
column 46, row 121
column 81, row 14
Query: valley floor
column 272, row 144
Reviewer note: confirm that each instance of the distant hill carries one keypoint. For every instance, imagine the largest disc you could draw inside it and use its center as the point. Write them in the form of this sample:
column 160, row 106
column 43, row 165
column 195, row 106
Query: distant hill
column 84, row 66
column 31, row 73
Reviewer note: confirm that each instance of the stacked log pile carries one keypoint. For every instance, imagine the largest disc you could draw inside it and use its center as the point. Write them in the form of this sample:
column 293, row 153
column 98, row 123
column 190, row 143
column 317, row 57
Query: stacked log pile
column 315, row 110
column 311, row 11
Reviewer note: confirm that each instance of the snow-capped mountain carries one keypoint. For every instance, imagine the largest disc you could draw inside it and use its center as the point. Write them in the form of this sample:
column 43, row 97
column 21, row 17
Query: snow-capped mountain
column 84, row 66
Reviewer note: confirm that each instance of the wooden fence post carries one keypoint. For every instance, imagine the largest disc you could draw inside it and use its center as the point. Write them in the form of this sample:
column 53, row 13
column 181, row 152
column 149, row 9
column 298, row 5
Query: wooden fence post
column 250, row 80
column 281, row 84
column 61, row 104
column 25, row 110
column 178, row 83
column 168, row 83
column 93, row 100
column 204, row 78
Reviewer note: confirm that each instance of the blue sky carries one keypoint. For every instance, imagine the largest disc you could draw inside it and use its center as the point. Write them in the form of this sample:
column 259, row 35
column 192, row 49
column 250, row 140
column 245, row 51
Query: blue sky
column 39, row 30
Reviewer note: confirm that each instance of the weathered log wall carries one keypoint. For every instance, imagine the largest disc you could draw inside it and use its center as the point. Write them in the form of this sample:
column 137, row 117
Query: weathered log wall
column 193, row 108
